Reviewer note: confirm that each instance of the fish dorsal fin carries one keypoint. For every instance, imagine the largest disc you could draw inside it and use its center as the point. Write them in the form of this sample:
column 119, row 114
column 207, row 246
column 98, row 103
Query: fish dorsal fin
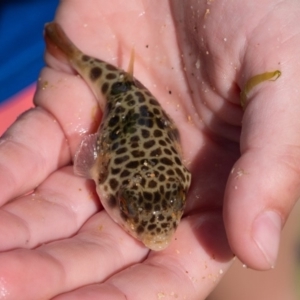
column 129, row 76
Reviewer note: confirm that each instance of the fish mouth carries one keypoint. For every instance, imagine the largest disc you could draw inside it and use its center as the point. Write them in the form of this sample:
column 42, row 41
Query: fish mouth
column 151, row 238
column 158, row 242
column 155, row 242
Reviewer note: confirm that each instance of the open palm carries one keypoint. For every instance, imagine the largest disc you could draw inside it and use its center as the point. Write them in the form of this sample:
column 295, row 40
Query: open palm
column 59, row 243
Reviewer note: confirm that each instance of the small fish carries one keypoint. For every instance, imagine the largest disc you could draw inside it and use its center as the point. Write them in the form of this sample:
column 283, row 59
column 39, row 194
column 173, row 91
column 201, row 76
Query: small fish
column 134, row 157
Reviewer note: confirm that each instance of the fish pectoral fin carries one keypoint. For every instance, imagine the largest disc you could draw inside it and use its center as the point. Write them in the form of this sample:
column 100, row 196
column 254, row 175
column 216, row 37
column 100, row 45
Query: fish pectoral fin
column 85, row 156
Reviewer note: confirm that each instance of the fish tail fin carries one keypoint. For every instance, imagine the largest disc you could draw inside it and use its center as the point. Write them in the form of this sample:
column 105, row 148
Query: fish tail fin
column 57, row 42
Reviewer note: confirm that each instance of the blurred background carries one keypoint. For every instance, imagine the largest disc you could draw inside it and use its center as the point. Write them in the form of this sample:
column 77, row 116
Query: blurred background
column 21, row 53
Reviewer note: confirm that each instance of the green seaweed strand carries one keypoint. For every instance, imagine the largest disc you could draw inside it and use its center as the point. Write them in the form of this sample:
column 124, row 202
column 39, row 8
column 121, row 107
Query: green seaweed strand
column 255, row 80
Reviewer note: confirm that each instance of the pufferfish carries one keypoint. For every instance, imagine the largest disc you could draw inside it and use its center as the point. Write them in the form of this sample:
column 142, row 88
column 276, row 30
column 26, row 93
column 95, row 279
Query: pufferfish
column 134, row 157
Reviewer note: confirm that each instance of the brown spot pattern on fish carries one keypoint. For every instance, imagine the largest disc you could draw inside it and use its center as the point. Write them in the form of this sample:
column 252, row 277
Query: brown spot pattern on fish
column 137, row 166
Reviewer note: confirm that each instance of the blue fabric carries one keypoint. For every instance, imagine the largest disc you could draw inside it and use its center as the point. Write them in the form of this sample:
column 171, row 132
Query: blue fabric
column 21, row 42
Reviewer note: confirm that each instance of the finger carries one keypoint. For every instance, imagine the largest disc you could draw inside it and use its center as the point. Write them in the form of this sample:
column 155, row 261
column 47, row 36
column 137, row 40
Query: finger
column 46, row 138
column 32, row 148
column 55, row 210
column 264, row 184
column 74, row 106
column 100, row 249
column 188, row 269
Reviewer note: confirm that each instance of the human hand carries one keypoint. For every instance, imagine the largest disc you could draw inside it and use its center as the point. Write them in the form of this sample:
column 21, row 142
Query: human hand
column 60, row 235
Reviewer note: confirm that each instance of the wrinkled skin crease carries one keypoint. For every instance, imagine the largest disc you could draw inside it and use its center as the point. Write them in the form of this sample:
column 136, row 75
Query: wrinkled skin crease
column 195, row 63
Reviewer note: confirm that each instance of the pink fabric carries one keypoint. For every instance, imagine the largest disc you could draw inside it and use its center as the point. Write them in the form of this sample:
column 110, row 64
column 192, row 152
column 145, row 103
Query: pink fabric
column 14, row 106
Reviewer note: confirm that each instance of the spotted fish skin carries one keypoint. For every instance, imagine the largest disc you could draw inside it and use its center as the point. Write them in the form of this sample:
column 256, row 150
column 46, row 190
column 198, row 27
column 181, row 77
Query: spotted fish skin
column 134, row 157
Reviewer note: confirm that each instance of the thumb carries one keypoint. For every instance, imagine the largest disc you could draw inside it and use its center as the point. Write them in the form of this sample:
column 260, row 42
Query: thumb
column 265, row 182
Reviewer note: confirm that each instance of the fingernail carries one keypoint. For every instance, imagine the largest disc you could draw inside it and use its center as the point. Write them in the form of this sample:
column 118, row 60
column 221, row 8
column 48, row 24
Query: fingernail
column 266, row 233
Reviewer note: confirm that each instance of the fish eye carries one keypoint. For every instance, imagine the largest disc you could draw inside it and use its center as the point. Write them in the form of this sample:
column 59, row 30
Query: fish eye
column 120, row 87
column 178, row 199
column 127, row 206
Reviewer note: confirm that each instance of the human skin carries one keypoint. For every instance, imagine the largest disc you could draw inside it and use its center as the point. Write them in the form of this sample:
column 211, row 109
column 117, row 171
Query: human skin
column 276, row 284
column 58, row 242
